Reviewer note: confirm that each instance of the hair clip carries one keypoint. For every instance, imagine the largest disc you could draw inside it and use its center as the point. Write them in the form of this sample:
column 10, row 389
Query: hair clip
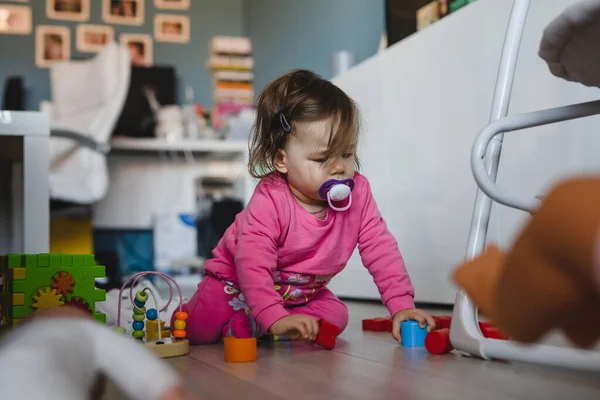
column 284, row 124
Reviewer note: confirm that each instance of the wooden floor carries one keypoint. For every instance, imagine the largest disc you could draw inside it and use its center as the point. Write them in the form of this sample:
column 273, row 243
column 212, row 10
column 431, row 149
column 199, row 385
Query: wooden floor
column 370, row 366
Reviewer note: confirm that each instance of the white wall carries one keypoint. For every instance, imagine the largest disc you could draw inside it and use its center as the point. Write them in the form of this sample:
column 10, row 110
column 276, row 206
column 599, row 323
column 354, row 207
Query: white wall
column 424, row 100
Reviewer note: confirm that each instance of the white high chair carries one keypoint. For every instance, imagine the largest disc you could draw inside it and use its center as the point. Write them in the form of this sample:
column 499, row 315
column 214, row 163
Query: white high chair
column 87, row 99
column 569, row 46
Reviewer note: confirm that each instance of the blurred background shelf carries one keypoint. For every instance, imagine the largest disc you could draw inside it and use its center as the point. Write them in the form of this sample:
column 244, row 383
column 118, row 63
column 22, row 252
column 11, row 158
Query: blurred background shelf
column 197, row 146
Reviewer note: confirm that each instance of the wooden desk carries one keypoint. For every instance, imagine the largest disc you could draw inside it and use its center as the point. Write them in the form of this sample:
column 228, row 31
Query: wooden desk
column 24, row 182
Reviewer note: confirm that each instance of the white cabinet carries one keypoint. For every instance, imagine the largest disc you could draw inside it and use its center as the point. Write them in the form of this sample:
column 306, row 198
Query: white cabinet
column 424, row 100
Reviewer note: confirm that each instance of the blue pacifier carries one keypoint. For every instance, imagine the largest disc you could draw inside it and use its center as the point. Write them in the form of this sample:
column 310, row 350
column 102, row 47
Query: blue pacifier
column 337, row 190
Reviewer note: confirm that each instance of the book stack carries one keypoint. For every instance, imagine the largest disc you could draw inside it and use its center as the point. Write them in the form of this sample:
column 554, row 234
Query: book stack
column 231, row 66
column 437, row 9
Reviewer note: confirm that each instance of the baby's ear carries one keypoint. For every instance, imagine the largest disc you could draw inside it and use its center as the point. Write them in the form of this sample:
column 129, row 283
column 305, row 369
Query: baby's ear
column 281, row 161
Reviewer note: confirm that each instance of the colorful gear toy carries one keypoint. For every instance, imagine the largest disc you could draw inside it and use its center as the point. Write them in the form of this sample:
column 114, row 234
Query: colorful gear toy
column 79, row 303
column 47, row 298
column 63, row 283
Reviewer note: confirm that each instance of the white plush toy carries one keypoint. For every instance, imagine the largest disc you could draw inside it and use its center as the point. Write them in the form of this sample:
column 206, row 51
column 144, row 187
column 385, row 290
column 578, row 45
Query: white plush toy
column 61, row 354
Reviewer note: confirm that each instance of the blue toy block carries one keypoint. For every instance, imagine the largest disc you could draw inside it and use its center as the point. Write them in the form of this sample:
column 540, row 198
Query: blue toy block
column 412, row 334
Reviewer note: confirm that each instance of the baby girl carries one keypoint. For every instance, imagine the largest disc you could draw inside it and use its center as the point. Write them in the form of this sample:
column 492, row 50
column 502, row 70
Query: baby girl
column 309, row 211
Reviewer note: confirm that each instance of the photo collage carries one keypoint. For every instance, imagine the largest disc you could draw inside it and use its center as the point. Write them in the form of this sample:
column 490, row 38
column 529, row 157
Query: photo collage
column 53, row 42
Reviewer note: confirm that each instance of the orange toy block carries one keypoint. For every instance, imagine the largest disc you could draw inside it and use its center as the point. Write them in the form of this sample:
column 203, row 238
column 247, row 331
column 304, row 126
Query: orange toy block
column 240, row 350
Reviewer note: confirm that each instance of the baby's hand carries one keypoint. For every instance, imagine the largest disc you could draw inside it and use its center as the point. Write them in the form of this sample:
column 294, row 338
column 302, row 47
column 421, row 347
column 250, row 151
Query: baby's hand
column 296, row 326
column 411, row 314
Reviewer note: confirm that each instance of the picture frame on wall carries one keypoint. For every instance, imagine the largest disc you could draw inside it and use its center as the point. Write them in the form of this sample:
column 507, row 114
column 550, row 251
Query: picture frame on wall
column 93, row 38
column 427, row 15
column 52, row 44
column 172, row 28
column 68, row 10
column 140, row 48
column 172, row 4
column 15, row 20
column 123, row 12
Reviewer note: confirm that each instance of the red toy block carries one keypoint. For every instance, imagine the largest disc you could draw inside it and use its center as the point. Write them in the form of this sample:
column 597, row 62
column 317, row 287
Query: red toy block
column 370, row 325
column 380, row 324
column 328, row 333
column 490, row 331
column 442, row 322
column 438, row 341
column 387, row 324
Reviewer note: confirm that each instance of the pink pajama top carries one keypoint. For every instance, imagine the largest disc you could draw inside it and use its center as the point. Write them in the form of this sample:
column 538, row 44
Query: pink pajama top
column 280, row 255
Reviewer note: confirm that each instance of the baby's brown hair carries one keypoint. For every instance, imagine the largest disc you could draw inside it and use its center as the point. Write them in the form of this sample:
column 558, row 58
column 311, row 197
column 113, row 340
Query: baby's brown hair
column 300, row 95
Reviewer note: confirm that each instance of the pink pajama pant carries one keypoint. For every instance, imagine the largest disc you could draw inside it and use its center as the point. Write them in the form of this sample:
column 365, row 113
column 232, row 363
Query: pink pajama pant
column 215, row 303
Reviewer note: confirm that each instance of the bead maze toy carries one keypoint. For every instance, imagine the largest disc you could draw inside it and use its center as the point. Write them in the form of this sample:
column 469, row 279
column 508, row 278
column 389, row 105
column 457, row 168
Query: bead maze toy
column 34, row 282
column 156, row 338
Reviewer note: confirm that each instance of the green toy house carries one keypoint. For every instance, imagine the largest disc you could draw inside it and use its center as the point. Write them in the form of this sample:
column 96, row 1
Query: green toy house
column 32, row 282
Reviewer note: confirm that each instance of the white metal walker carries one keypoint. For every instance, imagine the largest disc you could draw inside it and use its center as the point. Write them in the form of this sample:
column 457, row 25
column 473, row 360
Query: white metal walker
column 578, row 65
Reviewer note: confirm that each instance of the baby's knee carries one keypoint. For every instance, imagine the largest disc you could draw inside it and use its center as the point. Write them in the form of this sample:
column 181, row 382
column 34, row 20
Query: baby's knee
column 340, row 316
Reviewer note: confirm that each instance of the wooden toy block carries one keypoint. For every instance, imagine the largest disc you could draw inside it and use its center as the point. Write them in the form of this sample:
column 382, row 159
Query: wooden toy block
column 370, row 325
column 386, row 324
column 380, row 324
column 412, row 334
column 442, row 322
column 438, row 341
column 240, row 350
column 490, row 331
column 33, row 282
column 328, row 334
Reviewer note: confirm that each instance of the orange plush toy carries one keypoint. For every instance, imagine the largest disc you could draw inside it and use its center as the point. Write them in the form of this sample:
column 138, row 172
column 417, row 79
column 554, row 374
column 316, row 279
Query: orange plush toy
column 550, row 278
